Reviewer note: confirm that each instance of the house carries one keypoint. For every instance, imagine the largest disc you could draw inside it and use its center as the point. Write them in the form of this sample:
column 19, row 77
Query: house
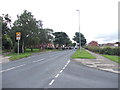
column 93, row 43
column 50, row 45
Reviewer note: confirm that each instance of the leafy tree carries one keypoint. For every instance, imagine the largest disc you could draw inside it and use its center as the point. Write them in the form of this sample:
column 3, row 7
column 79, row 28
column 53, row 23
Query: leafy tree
column 46, row 37
column 7, row 42
column 76, row 38
column 5, row 22
column 61, row 38
column 27, row 25
column 73, row 44
column 33, row 41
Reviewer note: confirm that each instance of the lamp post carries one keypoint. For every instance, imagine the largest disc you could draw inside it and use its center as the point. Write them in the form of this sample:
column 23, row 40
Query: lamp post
column 79, row 30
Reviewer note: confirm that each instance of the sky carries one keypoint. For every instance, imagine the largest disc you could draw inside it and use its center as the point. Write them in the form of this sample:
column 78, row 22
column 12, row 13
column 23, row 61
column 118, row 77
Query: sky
column 98, row 18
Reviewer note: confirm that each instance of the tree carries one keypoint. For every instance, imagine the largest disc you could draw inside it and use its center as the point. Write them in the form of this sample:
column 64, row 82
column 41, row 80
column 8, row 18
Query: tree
column 27, row 25
column 61, row 38
column 33, row 41
column 76, row 38
column 7, row 42
column 46, row 37
column 5, row 22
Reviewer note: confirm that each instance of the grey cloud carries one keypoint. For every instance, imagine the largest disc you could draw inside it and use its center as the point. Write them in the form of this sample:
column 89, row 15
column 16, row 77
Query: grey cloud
column 108, row 37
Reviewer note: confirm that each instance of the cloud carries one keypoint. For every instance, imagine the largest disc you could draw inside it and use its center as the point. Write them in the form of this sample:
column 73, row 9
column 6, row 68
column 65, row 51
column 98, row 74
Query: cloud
column 111, row 37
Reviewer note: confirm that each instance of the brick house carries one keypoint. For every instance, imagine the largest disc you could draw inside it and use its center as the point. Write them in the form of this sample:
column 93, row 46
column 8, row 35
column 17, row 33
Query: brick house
column 93, row 43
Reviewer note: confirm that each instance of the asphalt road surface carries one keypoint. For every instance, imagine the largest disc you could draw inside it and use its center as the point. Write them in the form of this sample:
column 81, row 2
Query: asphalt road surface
column 54, row 70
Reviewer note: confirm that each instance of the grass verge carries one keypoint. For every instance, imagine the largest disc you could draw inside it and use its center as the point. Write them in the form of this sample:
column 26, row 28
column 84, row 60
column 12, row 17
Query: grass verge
column 113, row 58
column 15, row 56
column 83, row 54
column 39, row 50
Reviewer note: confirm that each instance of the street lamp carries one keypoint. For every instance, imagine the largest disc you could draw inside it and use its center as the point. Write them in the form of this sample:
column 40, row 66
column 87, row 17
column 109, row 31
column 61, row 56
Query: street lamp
column 79, row 30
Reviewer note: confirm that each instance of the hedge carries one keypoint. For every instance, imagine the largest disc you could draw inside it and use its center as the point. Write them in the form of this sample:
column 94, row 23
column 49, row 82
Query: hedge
column 105, row 50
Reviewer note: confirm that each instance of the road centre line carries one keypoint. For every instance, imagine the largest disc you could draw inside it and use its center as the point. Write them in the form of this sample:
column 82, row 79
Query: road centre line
column 66, row 65
column 69, row 61
column 13, row 68
column 59, row 73
column 63, row 68
column 51, row 82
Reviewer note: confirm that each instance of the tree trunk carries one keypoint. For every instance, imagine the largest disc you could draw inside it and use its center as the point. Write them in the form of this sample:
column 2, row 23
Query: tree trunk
column 31, row 48
column 23, row 49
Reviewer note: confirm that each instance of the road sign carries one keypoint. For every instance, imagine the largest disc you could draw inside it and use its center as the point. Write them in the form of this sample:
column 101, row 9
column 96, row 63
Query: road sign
column 18, row 35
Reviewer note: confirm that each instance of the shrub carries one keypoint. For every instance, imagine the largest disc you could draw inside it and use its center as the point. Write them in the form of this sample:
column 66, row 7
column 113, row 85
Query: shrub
column 7, row 42
column 105, row 50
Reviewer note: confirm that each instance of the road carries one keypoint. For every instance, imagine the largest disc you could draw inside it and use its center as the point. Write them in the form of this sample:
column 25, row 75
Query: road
column 54, row 70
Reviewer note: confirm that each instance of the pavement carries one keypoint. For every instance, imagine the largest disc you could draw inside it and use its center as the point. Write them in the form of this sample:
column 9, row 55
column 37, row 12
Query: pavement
column 54, row 70
column 4, row 59
column 100, row 63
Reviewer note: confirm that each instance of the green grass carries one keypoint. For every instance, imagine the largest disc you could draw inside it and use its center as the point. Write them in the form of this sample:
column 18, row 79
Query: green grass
column 15, row 56
column 34, row 50
column 113, row 58
column 83, row 54
column 39, row 50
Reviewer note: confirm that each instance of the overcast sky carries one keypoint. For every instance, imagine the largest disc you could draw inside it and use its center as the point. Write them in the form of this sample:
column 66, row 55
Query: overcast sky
column 98, row 18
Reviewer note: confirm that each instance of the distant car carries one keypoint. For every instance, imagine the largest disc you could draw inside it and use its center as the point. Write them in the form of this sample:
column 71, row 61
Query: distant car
column 75, row 48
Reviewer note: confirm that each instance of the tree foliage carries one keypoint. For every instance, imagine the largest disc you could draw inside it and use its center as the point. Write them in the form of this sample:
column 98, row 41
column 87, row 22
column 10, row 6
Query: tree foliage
column 7, row 42
column 61, row 38
column 27, row 25
column 33, row 35
column 76, row 38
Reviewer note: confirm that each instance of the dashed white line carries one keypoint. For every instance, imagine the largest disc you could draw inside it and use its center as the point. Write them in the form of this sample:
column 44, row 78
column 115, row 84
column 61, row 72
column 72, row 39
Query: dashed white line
column 57, row 75
column 61, row 71
column 51, row 82
column 69, row 61
column 63, row 68
column 66, row 65
column 13, row 68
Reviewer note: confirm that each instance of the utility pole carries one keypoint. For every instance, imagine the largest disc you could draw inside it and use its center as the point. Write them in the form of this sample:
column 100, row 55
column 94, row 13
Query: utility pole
column 79, row 30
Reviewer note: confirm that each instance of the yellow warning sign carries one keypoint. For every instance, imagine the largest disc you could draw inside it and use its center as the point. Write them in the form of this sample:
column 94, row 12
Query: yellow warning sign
column 18, row 35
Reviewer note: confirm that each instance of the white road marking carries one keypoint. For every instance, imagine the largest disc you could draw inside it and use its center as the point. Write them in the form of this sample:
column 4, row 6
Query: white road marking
column 63, row 68
column 57, row 75
column 13, row 68
column 66, row 65
column 51, row 82
column 38, row 60
column 69, row 61
column 61, row 71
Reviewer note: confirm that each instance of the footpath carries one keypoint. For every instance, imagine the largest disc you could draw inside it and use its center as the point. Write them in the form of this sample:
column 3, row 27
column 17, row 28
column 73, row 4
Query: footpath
column 4, row 59
column 100, row 63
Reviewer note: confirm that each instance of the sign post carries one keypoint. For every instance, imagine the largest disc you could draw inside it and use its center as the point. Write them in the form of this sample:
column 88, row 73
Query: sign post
column 18, row 36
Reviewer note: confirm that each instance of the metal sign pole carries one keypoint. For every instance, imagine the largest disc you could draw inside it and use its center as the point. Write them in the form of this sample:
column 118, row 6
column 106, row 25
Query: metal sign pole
column 18, row 47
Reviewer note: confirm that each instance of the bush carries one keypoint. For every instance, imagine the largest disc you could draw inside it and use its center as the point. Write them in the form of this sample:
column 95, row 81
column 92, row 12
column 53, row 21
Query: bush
column 105, row 50
column 7, row 42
